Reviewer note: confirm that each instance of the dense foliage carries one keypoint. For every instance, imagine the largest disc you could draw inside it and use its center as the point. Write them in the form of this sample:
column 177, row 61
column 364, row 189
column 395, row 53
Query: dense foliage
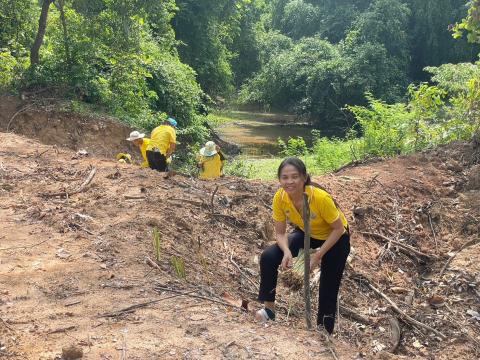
column 143, row 59
column 322, row 55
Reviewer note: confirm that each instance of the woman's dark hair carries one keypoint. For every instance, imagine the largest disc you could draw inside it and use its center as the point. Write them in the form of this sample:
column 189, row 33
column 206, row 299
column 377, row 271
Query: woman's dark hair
column 297, row 164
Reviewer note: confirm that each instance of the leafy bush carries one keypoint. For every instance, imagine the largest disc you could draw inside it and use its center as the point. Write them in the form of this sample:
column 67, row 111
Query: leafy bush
column 295, row 146
column 7, row 69
column 238, row 167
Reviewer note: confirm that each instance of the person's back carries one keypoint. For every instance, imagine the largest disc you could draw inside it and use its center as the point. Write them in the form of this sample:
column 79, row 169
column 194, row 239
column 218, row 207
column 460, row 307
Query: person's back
column 162, row 145
column 210, row 167
column 161, row 138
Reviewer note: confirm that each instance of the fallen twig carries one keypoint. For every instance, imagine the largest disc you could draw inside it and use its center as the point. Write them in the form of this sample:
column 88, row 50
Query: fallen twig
column 134, row 197
column 212, row 206
column 464, row 246
column 61, row 330
column 24, row 247
column 254, row 283
column 152, row 263
column 132, row 308
column 433, row 231
column 6, row 325
column 43, row 152
column 18, row 112
column 405, row 316
column 347, row 312
column 396, row 333
column 235, row 220
column 73, row 303
column 189, row 294
column 80, row 189
column 409, row 250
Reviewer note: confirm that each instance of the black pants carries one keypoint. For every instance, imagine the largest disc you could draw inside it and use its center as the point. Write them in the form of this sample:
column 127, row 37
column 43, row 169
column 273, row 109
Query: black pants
column 333, row 264
column 157, row 161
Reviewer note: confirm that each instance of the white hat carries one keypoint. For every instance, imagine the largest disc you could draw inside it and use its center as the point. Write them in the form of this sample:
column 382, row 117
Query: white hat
column 209, row 149
column 135, row 135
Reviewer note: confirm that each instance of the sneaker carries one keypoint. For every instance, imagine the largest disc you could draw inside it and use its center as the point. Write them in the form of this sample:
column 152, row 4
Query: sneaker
column 264, row 315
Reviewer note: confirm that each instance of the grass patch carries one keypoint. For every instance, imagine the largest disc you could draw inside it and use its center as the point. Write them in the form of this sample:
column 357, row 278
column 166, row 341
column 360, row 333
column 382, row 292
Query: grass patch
column 325, row 156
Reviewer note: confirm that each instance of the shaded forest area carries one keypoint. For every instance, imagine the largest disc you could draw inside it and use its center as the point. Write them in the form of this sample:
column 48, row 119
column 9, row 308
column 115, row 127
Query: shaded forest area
column 135, row 59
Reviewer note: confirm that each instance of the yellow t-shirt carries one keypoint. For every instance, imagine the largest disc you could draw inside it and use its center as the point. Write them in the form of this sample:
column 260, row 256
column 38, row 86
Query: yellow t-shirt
column 143, row 150
column 323, row 211
column 211, row 167
column 161, row 138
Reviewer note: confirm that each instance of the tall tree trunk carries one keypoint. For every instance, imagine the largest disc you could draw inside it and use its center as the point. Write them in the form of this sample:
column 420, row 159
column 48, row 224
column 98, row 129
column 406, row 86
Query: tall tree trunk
column 61, row 7
column 42, row 26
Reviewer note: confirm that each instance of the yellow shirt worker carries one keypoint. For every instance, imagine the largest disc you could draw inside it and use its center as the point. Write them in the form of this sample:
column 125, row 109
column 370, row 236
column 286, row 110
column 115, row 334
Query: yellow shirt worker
column 323, row 211
column 162, row 144
column 142, row 142
column 210, row 162
column 329, row 237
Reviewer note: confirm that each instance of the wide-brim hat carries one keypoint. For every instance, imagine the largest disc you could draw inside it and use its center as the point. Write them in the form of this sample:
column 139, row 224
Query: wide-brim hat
column 135, row 135
column 209, row 149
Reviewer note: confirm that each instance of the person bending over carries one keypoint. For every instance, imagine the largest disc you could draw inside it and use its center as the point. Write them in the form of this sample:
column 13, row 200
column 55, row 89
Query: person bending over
column 329, row 236
column 142, row 142
column 162, row 145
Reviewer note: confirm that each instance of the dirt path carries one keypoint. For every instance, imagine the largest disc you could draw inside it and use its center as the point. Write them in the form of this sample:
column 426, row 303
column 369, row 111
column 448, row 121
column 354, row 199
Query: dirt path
column 66, row 261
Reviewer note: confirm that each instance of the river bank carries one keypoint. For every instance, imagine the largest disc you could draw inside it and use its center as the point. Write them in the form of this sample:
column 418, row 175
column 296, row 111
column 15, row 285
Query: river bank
column 258, row 134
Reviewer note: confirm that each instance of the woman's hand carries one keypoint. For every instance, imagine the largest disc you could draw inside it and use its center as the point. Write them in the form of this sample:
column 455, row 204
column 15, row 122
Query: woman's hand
column 315, row 260
column 287, row 261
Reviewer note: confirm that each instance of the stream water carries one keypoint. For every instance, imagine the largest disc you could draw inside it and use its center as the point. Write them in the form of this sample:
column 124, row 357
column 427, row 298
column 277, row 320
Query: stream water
column 257, row 134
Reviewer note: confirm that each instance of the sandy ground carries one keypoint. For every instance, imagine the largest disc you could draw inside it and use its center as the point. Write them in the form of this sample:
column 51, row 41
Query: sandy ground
column 70, row 261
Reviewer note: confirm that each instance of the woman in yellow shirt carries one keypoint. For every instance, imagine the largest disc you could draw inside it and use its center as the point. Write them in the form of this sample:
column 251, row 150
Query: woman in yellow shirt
column 329, row 235
column 142, row 142
column 210, row 161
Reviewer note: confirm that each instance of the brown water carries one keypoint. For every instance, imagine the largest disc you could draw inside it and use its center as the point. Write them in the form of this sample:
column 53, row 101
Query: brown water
column 257, row 133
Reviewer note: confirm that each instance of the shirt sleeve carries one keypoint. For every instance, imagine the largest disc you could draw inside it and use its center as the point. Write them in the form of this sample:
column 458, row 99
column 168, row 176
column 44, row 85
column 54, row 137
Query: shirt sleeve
column 328, row 210
column 278, row 211
column 173, row 137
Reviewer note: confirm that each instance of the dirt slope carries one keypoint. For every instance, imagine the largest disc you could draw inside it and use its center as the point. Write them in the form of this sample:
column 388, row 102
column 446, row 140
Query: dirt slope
column 68, row 263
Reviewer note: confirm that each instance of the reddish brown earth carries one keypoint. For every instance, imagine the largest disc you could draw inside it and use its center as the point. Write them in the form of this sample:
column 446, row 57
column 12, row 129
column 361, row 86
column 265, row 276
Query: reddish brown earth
column 67, row 261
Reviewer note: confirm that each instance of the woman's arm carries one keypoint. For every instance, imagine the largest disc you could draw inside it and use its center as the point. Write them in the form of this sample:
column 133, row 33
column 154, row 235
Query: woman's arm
column 337, row 232
column 282, row 242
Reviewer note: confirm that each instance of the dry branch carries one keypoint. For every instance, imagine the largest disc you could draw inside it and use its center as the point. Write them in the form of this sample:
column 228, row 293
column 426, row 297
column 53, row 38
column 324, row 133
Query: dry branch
column 24, row 247
column 62, row 330
column 351, row 314
column 18, row 112
column 405, row 316
column 82, row 187
column 212, row 206
column 159, row 288
column 252, row 282
column 132, row 308
column 396, row 333
column 407, row 249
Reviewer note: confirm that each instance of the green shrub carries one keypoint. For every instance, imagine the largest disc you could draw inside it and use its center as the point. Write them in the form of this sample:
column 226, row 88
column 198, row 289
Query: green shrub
column 295, row 146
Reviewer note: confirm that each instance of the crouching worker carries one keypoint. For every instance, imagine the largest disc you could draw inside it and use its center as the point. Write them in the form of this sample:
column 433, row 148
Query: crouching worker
column 142, row 142
column 210, row 161
column 162, row 145
column 329, row 235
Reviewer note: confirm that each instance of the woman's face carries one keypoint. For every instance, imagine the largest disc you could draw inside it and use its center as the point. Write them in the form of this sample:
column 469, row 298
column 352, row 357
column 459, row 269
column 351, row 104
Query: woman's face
column 291, row 180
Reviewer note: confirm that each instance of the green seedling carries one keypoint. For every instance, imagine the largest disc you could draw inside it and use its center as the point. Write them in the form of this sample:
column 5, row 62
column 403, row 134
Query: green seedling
column 156, row 243
column 179, row 266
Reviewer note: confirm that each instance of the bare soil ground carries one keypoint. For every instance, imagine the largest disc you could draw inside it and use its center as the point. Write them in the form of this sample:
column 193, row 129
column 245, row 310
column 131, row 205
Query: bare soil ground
column 73, row 258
